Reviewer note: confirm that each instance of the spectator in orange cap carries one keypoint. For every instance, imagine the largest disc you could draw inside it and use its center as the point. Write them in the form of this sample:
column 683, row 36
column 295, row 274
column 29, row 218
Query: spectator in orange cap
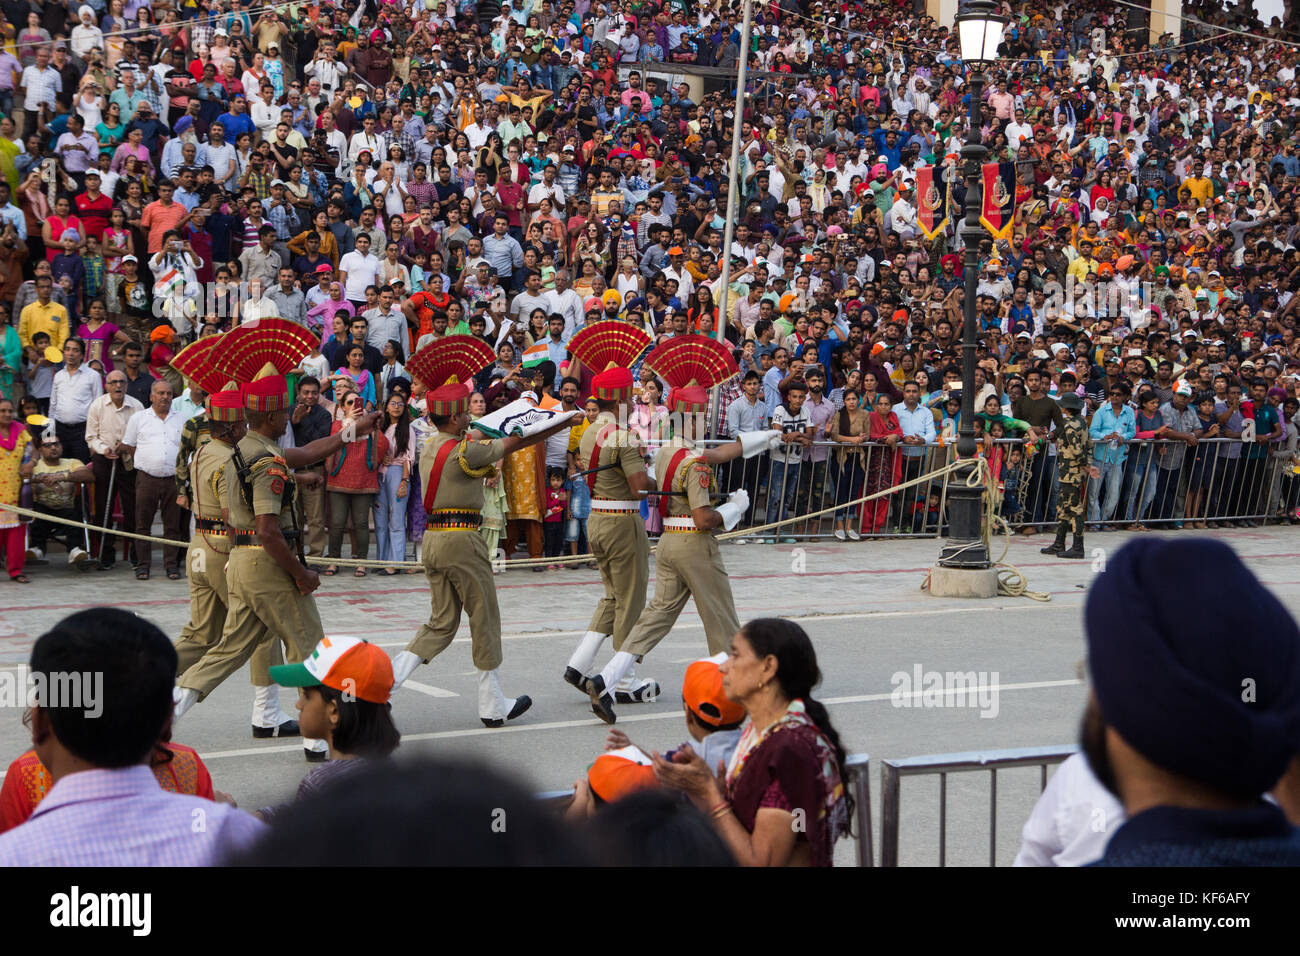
column 712, row 720
column 788, row 766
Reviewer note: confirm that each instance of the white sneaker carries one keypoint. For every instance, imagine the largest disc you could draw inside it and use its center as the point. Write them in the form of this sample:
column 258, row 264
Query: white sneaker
column 77, row 555
column 853, row 535
column 35, row 554
column 839, row 534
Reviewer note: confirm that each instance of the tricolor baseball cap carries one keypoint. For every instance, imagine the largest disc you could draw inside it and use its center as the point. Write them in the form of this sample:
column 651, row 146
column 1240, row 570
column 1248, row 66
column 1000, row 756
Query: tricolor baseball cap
column 619, row 773
column 345, row 664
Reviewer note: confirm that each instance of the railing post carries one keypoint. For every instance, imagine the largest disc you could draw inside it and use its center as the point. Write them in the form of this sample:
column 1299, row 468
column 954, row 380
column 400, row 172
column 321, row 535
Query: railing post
column 889, row 793
column 859, row 767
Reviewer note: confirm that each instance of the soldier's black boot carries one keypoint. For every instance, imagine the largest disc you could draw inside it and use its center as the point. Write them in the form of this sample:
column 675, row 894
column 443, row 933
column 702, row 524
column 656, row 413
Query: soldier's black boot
column 1076, row 549
column 1057, row 546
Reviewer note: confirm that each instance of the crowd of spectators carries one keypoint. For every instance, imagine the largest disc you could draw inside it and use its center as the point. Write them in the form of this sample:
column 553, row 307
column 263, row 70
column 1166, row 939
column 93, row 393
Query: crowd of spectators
column 385, row 176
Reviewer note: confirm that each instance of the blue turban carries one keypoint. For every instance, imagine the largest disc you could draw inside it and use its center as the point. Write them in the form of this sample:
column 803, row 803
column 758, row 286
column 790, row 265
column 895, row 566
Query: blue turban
column 1195, row 663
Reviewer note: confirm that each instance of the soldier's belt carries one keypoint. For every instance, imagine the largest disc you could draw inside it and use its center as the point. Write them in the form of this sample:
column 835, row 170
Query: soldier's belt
column 245, row 540
column 610, row 506
column 453, row 519
column 211, row 525
column 682, row 525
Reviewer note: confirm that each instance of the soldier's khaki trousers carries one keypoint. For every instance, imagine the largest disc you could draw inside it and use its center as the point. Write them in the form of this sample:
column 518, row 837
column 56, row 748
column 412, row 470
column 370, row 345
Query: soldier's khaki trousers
column 622, row 552
column 264, row 605
column 206, row 570
column 687, row 564
column 459, row 571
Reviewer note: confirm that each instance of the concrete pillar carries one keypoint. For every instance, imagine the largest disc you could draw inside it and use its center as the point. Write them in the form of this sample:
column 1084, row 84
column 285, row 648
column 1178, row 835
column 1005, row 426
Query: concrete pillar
column 943, row 11
column 1165, row 19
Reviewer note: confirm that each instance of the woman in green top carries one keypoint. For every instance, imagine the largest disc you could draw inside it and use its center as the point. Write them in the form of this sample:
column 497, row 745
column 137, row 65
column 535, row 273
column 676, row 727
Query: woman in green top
column 111, row 131
column 11, row 355
column 992, row 414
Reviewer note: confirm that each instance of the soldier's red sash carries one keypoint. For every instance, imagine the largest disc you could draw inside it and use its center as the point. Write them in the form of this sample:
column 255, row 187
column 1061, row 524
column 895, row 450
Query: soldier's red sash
column 595, row 455
column 669, row 473
column 435, row 473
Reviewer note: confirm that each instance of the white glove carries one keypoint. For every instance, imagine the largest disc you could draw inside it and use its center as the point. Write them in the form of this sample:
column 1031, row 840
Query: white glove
column 755, row 443
column 735, row 507
column 650, row 471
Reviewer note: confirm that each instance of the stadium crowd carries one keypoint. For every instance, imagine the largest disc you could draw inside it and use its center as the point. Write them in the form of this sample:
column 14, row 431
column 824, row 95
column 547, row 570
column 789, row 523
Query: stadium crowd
column 385, row 176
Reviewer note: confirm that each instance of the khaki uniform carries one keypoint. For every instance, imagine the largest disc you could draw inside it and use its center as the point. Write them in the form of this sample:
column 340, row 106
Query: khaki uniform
column 687, row 564
column 206, row 565
column 263, row 601
column 456, row 560
column 618, row 540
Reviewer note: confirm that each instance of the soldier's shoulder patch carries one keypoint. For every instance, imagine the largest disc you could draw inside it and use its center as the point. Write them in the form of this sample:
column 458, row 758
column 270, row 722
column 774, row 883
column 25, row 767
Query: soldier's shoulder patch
column 277, row 485
column 277, row 472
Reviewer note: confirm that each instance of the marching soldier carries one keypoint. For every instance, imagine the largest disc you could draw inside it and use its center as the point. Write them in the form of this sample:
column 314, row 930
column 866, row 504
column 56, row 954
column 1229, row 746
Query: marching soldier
column 453, row 465
column 1073, row 468
column 269, row 585
column 616, row 475
column 687, row 561
column 206, row 478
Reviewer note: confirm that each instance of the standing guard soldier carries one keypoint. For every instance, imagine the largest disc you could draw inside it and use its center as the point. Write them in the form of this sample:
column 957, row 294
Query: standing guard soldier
column 453, row 465
column 269, row 585
column 1073, row 469
column 615, row 471
column 206, row 562
column 687, row 561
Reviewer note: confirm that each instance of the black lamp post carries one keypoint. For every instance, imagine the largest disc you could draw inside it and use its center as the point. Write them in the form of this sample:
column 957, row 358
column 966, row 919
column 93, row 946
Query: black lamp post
column 979, row 32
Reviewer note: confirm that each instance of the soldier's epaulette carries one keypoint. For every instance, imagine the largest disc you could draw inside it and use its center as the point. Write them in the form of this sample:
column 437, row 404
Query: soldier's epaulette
column 268, row 462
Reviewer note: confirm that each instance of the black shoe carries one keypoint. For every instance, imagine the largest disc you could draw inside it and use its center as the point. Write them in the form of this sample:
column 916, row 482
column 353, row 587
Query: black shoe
column 644, row 694
column 107, row 566
column 315, row 756
column 603, row 707
column 1056, row 547
column 287, row 729
column 522, row 703
column 575, row 677
column 1076, row 550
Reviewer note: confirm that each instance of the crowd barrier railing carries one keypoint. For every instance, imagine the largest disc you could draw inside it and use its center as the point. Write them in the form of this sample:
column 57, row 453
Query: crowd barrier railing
column 892, row 773
column 1158, row 483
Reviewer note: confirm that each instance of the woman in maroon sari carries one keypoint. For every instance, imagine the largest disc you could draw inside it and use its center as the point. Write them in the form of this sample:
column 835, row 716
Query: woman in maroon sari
column 782, row 800
column 884, row 464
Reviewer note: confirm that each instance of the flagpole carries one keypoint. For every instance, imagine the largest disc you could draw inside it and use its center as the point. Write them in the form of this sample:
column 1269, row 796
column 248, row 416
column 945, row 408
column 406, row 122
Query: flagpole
column 733, row 176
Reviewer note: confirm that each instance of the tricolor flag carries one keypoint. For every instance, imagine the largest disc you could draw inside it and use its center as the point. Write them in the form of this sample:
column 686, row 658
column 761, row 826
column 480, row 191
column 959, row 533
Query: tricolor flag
column 998, row 211
column 932, row 200
column 536, row 354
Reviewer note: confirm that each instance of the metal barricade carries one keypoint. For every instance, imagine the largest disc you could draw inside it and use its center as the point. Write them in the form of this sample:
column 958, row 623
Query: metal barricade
column 893, row 771
column 1218, row 482
column 1147, row 484
column 859, row 784
column 829, row 474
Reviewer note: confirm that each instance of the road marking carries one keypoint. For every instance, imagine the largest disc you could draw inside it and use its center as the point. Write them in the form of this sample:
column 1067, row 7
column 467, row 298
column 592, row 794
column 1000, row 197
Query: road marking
column 671, row 714
column 429, row 689
column 814, row 618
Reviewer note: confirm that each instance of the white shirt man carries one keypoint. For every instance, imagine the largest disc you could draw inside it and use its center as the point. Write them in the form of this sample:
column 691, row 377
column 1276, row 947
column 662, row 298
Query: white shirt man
column 107, row 420
column 72, row 393
column 359, row 269
column 360, row 141
column 568, row 304
column 477, row 133
column 157, row 441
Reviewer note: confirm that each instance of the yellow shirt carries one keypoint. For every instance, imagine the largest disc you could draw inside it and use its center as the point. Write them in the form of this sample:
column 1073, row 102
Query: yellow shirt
column 51, row 318
column 1202, row 189
column 1080, row 268
column 575, row 434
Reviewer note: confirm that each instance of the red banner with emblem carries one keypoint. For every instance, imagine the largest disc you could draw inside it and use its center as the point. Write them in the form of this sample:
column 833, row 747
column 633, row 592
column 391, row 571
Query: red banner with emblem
column 932, row 199
column 998, row 209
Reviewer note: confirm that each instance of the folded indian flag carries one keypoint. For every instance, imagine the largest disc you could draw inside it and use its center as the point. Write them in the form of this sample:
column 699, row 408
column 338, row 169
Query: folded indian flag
column 536, row 354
